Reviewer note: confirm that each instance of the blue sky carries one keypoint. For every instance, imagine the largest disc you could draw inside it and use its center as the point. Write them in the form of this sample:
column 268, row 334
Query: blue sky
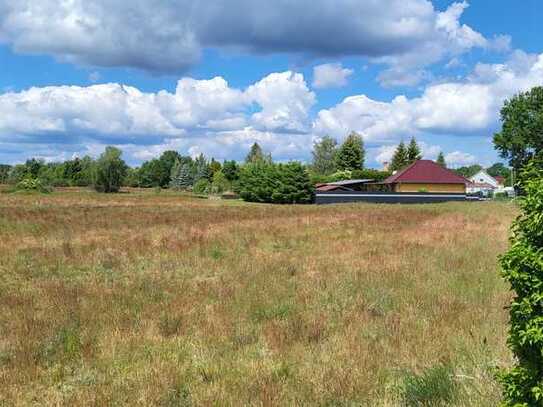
column 215, row 76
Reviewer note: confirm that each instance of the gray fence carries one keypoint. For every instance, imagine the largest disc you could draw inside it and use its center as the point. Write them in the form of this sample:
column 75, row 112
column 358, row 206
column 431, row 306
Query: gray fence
column 386, row 197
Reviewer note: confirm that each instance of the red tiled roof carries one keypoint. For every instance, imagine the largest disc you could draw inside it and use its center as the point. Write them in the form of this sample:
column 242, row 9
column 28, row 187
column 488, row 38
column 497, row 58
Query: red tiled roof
column 500, row 179
column 426, row 172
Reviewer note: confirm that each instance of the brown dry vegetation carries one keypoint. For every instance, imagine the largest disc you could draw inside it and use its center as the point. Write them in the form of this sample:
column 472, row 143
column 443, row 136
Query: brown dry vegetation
column 160, row 299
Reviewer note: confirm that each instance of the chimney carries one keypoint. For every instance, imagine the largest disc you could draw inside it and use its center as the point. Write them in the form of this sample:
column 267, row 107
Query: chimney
column 386, row 164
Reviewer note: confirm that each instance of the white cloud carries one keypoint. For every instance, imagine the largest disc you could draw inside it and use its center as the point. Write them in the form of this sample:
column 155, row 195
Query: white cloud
column 285, row 101
column 385, row 153
column 200, row 112
column 168, row 36
column 449, row 39
column 223, row 121
column 459, row 158
column 330, row 76
column 455, row 108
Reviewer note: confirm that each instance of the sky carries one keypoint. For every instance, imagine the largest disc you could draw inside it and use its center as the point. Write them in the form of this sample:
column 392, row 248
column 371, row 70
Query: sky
column 215, row 76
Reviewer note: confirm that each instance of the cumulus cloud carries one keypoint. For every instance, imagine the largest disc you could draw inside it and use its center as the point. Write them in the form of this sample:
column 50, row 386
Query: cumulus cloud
column 330, row 76
column 468, row 107
column 285, row 100
column 199, row 112
column 168, row 36
column 222, row 121
column 449, row 39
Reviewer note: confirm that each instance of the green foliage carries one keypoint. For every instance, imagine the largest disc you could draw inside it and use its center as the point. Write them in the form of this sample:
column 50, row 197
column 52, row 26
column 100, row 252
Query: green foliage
column 32, row 184
column 293, row 184
column 441, row 159
column 522, row 126
column 157, row 172
column 413, row 151
column 522, row 267
column 201, row 168
column 201, row 187
column 230, row 170
column 256, row 154
column 182, row 176
column 370, row 173
column 4, row 173
column 434, row 387
column 351, row 154
column 275, row 183
column 500, row 170
column 400, row 158
column 214, row 166
column 404, row 156
column 33, row 167
column 324, row 156
column 468, row 171
column 169, row 158
column 154, row 173
column 110, row 171
column 219, row 184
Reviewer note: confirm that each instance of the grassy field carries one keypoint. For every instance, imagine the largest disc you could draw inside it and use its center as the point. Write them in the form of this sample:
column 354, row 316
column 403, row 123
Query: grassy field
column 159, row 299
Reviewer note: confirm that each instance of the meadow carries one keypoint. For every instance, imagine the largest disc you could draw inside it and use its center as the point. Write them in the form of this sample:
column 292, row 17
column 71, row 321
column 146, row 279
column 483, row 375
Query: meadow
column 148, row 298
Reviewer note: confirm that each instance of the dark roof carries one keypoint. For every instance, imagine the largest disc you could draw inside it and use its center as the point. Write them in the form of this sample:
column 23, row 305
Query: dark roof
column 426, row 172
column 351, row 182
column 330, row 187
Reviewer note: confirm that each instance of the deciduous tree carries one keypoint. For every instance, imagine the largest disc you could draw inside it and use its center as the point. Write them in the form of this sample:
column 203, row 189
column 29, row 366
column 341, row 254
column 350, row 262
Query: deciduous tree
column 110, row 171
column 324, row 156
column 521, row 137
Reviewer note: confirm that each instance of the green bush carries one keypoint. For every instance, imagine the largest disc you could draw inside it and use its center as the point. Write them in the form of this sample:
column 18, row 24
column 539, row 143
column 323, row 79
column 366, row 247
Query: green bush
column 275, row 183
column 32, row 184
column 433, row 387
column 220, row 184
column 522, row 267
column 201, row 187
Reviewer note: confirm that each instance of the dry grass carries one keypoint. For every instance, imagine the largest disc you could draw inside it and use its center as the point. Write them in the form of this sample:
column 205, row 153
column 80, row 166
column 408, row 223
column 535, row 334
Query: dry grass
column 159, row 299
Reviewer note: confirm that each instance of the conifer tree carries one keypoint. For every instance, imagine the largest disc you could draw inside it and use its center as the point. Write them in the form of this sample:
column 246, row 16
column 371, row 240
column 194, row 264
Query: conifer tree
column 399, row 159
column 522, row 267
column 413, row 151
column 182, row 176
column 441, row 160
column 202, row 168
column 255, row 154
column 351, row 154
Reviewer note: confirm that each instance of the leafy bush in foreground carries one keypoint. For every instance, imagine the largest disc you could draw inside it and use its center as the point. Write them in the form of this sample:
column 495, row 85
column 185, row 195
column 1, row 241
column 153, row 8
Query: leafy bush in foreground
column 522, row 267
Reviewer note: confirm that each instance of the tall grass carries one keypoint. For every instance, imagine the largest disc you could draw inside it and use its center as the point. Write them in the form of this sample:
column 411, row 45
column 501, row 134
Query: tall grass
column 160, row 299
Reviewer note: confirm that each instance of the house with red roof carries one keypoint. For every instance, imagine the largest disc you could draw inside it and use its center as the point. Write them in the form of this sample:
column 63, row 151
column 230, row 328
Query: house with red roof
column 426, row 176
